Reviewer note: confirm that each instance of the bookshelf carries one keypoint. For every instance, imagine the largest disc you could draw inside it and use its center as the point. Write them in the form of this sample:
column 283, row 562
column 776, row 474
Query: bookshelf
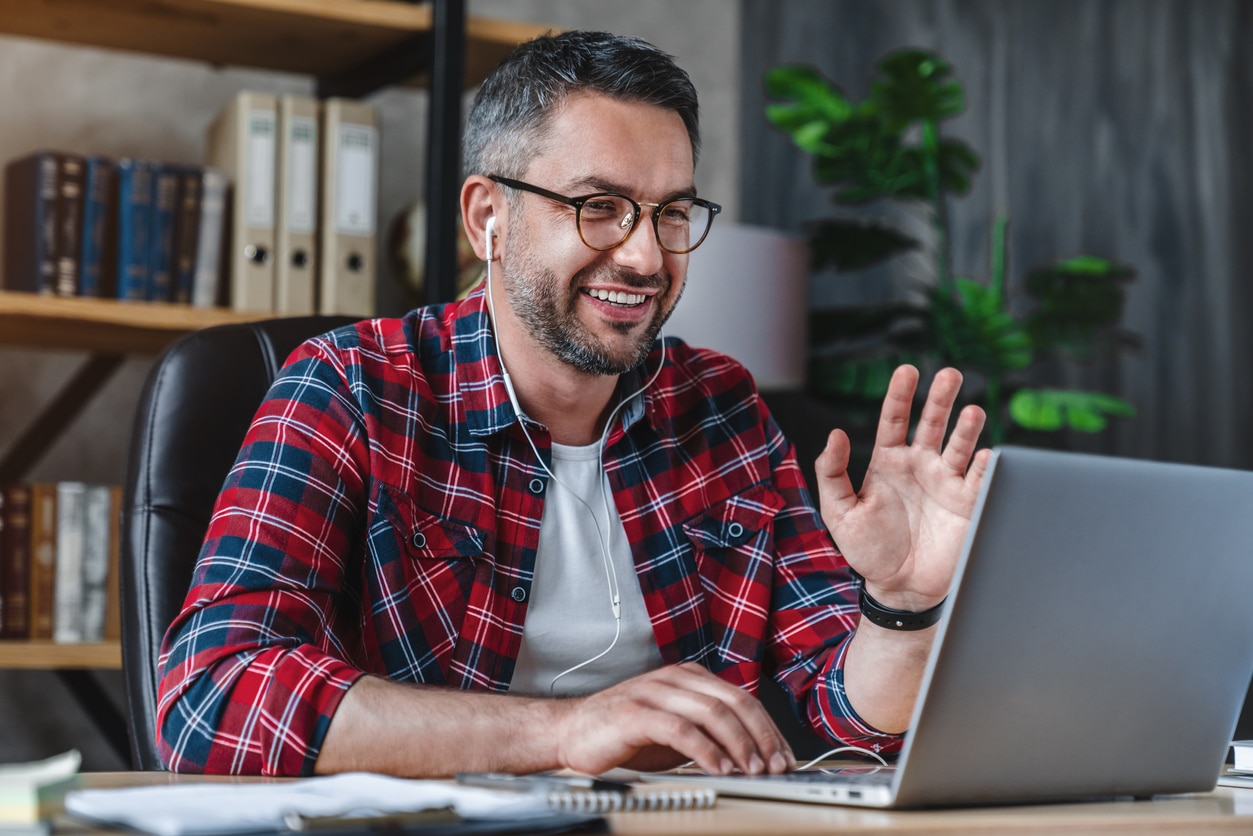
column 351, row 48
column 44, row 655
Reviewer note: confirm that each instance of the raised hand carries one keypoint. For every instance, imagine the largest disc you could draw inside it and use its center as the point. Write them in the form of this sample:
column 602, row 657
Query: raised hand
column 903, row 530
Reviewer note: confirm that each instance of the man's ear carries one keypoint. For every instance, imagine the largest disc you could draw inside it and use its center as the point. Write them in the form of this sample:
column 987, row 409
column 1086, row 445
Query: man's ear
column 479, row 197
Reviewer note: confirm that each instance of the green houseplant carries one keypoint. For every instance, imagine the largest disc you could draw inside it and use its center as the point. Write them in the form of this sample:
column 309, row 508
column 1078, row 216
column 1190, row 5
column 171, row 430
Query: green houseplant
column 889, row 147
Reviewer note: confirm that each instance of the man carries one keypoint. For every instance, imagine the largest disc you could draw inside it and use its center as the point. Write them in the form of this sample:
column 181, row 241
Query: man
column 437, row 524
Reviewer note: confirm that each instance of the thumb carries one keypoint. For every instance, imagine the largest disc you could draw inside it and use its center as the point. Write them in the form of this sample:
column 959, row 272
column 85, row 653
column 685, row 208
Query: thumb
column 836, row 496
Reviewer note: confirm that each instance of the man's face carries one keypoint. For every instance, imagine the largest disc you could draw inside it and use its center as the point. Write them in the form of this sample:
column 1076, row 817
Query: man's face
column 598, row 311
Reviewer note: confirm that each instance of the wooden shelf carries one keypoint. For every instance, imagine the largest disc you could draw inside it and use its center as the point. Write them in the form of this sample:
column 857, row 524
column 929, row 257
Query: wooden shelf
column 103, row 325
column 321, row 38
column 45, row 655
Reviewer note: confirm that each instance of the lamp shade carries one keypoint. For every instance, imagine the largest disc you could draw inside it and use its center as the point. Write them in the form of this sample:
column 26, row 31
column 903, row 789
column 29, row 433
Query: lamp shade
column 747, row 295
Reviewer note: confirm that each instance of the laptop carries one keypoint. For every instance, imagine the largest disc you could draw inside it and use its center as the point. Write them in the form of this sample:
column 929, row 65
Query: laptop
column 1098, row 643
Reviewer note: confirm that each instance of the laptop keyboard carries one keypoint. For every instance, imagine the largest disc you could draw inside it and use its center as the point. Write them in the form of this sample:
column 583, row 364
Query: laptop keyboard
column 870, row 775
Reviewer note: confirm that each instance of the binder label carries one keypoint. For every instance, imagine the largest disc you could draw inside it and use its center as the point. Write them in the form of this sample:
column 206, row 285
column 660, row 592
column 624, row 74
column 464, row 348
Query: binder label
column 355, row 180
column 302, row 174
column 259, row 197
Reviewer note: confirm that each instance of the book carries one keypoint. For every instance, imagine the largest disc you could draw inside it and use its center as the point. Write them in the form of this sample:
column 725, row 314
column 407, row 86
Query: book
column 1243, row 751
column 3, row 580
column 350, row 152
column 34, row 792
column 97, row 252
column 242, row 143
column 43, row 558
column 134, row 221
column 206, row 290
column 187, row 228
column 295, row 243
column 69, row 216
column 113, row 583
column 30, row 223
column 67, row 600
column 15, row 562
column 97, row 502
column 161, row 231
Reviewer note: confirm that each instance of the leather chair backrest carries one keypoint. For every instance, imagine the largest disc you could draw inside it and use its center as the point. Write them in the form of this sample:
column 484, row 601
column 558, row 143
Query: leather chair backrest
column 194, row 410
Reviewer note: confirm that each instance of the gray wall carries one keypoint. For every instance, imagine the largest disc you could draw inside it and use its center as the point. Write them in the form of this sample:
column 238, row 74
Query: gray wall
column 88, row 100
column 1119, row 128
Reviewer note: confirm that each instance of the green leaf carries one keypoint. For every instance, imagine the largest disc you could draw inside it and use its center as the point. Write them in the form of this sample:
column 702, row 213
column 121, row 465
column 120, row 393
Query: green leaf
column 1056, row 409
column 854, row 243
column 974, row 331
column 914, row 86
column 1079, row 303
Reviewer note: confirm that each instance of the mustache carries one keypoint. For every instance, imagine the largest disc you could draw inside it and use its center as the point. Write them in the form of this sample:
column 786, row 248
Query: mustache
column 659, row 282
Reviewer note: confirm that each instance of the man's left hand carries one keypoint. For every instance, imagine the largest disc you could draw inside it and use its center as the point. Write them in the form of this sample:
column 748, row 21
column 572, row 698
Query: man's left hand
column 903, row 531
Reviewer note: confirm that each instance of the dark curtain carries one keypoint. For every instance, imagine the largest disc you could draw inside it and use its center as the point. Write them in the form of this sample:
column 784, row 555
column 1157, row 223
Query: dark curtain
column 1118, row 128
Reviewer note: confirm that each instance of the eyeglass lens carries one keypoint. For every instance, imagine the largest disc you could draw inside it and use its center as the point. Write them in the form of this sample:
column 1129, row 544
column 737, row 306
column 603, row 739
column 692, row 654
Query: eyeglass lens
column 606, row 220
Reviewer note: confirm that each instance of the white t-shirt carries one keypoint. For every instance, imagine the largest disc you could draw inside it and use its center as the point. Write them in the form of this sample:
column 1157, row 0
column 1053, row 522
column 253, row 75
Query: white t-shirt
column 570, row 619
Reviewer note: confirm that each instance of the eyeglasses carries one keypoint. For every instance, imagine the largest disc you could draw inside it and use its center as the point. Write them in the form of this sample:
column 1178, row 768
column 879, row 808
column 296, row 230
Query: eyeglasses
column 605, row 220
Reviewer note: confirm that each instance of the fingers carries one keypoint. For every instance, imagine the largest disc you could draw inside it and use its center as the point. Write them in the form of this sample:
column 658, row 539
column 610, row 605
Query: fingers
column 684, row 708
column 835, row 490
column 933, row 422
column 965, row 437
column 897, row 405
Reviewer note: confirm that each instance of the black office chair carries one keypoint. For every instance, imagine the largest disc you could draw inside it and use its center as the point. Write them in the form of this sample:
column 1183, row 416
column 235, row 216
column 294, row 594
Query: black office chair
column 195, row 407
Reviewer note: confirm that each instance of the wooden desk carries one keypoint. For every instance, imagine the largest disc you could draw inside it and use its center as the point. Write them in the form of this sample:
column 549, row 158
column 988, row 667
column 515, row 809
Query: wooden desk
column 1222, row 811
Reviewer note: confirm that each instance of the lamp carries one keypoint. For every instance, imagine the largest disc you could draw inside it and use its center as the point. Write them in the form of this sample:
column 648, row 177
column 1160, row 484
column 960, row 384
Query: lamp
column 747, row 295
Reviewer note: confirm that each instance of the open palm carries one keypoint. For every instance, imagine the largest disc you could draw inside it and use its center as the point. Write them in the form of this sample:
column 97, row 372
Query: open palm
column 904, row 530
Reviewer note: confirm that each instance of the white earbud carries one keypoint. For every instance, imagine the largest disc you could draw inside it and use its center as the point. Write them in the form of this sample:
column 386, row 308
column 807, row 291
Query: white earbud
column 491, row 233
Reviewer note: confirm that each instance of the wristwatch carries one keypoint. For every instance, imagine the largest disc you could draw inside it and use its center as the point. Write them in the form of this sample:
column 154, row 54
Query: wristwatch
column 894, row 619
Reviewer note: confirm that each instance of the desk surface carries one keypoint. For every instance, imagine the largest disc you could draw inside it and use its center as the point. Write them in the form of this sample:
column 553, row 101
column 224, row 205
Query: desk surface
column 1225, row 810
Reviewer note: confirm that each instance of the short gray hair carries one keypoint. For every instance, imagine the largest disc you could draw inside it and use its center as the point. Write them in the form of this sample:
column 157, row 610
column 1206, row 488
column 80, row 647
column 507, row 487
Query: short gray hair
column 513, row 107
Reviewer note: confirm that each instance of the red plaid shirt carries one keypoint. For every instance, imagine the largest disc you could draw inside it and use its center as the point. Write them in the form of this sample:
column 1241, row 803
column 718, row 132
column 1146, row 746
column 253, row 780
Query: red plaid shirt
column 383, row 517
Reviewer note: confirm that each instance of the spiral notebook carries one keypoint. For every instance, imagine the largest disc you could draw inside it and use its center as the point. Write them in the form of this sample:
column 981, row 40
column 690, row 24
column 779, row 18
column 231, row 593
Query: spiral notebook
column 656, row 797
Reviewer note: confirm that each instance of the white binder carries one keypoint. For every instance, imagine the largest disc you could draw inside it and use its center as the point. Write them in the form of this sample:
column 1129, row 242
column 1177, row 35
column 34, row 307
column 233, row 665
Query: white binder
column 350, row 155
column 295, row 252
column 242, row 143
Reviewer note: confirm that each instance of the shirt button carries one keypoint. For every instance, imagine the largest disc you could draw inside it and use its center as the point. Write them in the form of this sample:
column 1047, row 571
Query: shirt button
column 518, row 594
column 734, row 530
column 537, row 485
column 418, row 539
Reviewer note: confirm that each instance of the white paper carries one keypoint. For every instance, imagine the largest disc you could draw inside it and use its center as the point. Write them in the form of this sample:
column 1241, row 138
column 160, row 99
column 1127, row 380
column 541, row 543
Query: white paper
column 205, row 809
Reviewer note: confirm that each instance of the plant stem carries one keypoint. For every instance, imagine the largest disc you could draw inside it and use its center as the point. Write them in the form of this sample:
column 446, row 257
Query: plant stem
column 939, row 217
column 995, row 428
column 992, row 405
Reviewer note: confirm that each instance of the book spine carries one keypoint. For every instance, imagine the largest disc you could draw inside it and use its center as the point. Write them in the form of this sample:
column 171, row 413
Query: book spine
column 4, row 578
column 43, row 559
column 15, row 562
column 69, row 233
column 96, row 258
column 67, row 624
column 96, row 511
column 207, row 284
column 187, row 229
column 113, row 583
column 134, row 214
column 165, row 207
column 30, row 223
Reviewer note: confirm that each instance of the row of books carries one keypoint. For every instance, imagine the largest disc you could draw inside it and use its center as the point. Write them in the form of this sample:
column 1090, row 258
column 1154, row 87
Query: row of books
column 281, row 218
column 59, row 555
column 128, row 229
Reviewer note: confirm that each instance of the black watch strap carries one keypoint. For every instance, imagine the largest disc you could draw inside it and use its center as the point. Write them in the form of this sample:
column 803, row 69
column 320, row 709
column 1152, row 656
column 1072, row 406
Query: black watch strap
column 894, row 619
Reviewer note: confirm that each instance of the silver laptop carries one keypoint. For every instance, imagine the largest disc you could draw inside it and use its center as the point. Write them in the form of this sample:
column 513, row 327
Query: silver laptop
column 1098, row 643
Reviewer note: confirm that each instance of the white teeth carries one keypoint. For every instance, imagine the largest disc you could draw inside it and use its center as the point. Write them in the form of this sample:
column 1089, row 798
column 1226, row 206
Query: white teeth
column 617, row 298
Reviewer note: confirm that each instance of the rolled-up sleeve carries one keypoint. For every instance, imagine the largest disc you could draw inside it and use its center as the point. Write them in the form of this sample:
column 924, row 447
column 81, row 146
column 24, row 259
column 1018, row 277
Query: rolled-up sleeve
column 253, row 668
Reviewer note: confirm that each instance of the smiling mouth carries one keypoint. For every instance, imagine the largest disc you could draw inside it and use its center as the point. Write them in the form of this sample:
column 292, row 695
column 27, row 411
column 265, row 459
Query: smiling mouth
column 620, row 299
